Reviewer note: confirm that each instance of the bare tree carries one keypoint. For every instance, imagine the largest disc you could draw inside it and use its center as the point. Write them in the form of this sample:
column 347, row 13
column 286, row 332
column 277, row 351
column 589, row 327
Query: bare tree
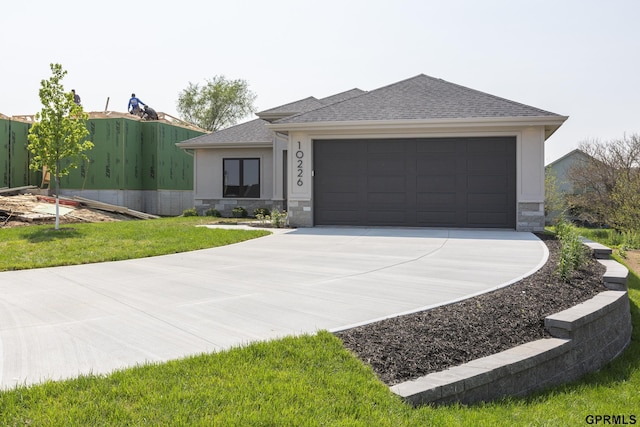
column 608, row 172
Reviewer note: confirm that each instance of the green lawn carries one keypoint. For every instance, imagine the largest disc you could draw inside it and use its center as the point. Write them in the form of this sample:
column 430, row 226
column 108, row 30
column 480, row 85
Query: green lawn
column 304, row 381
column 43, row 246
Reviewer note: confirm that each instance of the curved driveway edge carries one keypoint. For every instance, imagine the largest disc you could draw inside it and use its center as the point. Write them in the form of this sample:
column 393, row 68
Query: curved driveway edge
column 61, row 322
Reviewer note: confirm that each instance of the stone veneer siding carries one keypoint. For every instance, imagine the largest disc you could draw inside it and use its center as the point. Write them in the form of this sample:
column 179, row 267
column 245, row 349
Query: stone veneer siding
column 299, row 213
column 226, row 206
column 530, row 217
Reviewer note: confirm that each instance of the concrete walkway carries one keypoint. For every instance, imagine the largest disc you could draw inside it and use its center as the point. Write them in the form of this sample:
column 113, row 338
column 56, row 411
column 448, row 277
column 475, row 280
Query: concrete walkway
column 60, row 322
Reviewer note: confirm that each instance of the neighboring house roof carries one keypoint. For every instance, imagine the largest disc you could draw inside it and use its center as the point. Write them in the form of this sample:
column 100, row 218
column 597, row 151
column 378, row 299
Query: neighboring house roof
column 577, row 153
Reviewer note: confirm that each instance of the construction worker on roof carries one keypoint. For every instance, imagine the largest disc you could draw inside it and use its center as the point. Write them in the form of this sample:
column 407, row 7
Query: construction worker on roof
column 134, row 105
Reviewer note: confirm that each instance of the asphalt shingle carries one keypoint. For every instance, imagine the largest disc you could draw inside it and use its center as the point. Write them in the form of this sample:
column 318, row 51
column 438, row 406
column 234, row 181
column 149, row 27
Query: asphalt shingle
column 420, row 97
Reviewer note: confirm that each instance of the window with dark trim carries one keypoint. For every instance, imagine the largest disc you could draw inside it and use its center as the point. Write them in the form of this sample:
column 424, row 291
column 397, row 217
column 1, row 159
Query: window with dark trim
column 241, row 178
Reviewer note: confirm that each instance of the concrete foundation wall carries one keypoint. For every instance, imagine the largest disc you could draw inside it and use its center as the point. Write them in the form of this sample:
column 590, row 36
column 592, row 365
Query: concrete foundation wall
column 156, row 202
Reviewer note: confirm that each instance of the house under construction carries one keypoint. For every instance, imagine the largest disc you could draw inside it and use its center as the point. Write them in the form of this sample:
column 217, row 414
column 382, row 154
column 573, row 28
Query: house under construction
column 134, row 163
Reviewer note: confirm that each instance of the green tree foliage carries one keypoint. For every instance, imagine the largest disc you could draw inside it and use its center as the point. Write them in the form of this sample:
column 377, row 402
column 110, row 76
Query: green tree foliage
column 555, row 205
column 217, row 104
column 57, row 139
column 624, row 211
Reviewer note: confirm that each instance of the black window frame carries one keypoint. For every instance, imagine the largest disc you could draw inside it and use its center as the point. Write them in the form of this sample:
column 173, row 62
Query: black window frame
column 242, row 191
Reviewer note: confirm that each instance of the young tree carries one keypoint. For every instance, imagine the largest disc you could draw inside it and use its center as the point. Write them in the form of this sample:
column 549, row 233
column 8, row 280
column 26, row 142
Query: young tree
column 555, row 205
column 217, row 104
column 57, row 139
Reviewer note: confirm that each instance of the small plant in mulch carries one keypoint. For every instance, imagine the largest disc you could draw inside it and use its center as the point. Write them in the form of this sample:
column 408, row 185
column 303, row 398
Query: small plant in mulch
column 573, row 253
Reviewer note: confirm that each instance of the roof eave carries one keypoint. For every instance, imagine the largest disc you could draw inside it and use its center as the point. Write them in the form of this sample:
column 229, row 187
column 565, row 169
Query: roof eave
column 551, row 123
column 196, row 145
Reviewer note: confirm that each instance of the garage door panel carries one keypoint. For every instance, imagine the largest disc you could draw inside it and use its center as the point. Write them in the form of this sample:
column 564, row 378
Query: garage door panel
column 486, row 219
column 436, row 219
column 341, row 184
column 493, row 165
column 490, row 199
column 340, row 198
column 436, row 166
column 384, row 166
column 387, row 184
column 340, row 217
column 437, row 182
column 341, row 167
column 435, row 199
column 435, row 145
column 391, row 217
column 387, row 198
column 384, row 146
column 487, row 184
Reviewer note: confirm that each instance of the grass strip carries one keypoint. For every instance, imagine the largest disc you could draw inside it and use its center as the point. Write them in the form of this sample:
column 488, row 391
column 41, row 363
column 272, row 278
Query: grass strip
column 43, row 246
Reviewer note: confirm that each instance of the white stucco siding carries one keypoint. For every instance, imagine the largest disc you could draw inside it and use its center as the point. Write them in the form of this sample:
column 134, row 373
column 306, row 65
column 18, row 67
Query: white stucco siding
column 530, row 164
column 208, row 170
column 300, row 159
column 279, row 147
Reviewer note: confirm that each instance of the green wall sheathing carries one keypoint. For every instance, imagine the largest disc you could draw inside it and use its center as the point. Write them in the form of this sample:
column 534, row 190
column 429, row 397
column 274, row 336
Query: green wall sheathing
column 166, row 167
column 5, row 125
column 114, row 160
column 19, row 156
column 134, row 155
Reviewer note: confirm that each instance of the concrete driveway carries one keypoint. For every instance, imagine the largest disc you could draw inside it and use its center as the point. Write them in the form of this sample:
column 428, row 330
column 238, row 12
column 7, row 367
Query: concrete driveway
column 60, row 322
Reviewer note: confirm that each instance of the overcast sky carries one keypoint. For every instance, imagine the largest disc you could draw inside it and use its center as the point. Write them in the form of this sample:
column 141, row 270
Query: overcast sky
column 579, row 58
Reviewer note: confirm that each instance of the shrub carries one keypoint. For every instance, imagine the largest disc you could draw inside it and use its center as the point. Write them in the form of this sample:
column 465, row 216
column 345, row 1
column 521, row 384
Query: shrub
column 213, row 212
column 239, row 212
column 573, row 253
column 190, row 212
column 278, row 218
column 261, row 211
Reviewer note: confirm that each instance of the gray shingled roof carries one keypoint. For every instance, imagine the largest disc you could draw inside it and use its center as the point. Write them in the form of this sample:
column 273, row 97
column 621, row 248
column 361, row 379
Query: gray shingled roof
column 342, row 96
column 256, row 131
column 418, row 98
column 300, row 106
column 252, row 131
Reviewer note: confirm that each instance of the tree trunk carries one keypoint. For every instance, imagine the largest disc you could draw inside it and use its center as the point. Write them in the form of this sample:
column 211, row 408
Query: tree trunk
column 57, row 203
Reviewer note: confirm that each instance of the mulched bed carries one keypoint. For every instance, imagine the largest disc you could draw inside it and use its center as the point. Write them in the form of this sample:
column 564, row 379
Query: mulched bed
column 410, row 346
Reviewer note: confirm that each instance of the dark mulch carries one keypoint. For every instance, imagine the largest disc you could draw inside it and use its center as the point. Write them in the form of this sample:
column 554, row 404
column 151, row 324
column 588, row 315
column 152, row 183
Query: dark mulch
column 408, row 347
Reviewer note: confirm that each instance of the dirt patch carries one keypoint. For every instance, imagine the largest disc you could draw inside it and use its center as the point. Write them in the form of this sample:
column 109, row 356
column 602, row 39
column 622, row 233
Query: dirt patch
column 408, row 347
column 632, row 259
column 27, row 209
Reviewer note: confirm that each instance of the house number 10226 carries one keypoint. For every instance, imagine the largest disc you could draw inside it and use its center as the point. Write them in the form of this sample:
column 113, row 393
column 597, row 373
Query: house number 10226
column 300, row 165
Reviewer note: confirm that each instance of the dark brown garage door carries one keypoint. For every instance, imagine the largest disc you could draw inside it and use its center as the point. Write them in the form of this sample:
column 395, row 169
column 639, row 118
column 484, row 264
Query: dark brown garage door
column 429, row 182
